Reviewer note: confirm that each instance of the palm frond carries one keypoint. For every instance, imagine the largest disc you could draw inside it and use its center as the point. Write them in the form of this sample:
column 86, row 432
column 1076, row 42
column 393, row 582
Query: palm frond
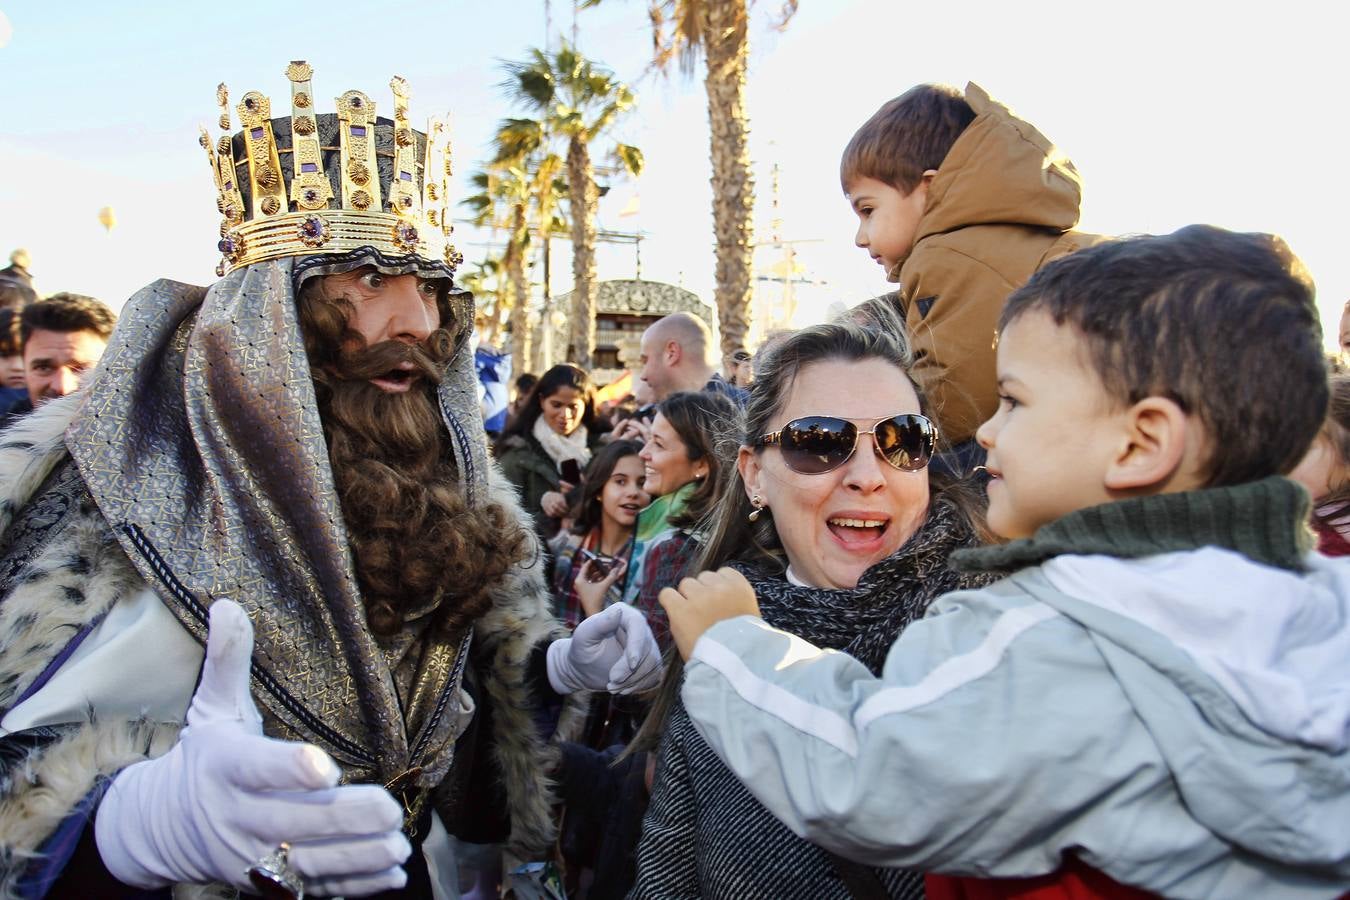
column 516, row 139
column 529, row 83
column 630, row 158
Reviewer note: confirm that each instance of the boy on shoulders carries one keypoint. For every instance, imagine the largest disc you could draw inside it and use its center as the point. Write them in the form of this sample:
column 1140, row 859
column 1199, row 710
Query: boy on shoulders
column 960, row 201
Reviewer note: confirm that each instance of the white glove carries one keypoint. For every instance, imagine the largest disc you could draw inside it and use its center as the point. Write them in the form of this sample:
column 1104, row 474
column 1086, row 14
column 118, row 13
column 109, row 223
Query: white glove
column 225, row 796
column 612, row 650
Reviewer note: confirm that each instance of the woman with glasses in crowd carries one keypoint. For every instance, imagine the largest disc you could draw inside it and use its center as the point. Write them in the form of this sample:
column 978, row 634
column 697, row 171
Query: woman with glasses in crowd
column 832, row 515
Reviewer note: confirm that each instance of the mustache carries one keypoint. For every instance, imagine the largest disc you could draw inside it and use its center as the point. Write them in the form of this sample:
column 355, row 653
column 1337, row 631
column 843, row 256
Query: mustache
column 363, row 363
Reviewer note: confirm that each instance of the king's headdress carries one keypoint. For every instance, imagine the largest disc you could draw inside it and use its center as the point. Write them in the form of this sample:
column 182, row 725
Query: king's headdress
column 329, row 182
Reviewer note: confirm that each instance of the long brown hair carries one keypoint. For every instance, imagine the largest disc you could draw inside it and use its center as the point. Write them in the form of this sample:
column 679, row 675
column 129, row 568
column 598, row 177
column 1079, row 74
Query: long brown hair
column 730, row 535
column 704, row 421
column 412, row 535
column 586, row 506
column 560, row 376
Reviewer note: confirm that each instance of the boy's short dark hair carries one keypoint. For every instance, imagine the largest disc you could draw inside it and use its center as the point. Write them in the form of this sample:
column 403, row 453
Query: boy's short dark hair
column 908, row 136
column 1222, row 323
column 68, row 312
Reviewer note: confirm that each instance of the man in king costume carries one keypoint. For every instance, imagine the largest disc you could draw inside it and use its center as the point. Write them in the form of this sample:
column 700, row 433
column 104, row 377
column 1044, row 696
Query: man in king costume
column 268, row 614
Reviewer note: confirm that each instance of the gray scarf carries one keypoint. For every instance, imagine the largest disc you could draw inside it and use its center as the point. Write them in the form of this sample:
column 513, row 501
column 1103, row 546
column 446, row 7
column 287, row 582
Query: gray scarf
column 865, row 621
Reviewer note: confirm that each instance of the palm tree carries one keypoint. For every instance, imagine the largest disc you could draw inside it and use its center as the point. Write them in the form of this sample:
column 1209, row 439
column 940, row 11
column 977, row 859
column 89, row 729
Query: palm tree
column 717, row 30
column 577, row 100
column 520, row 191
column 503, row 200
column 485, row 282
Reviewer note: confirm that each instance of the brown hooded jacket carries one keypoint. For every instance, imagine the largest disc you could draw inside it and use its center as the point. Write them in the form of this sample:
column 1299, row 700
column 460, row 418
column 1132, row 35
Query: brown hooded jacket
column 1003, row 204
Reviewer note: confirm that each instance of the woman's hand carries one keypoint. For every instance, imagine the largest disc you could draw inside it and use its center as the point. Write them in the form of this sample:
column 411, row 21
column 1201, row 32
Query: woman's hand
column 592, row 593
column 554, row 504
column 633, row 429
column 700, row 603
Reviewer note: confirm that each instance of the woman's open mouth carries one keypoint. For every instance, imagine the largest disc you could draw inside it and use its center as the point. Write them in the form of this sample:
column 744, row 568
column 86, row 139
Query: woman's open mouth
column 858, row 531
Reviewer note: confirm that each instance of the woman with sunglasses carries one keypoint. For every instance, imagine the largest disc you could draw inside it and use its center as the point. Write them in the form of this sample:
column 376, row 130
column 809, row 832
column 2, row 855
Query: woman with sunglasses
column 832, row 515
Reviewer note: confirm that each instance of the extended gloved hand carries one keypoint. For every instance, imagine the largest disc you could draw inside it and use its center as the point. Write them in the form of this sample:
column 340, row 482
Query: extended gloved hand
column 613, row 650
column 225, row 796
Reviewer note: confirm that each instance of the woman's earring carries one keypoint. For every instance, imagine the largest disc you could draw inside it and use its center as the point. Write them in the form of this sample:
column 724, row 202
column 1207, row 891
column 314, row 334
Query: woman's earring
column 758, row 505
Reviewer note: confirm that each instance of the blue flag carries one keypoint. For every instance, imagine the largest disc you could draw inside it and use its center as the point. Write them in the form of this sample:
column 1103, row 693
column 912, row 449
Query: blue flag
column 494, row 374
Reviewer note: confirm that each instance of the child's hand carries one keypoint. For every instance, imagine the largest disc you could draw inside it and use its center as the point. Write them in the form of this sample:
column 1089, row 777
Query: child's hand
column 554, row 504
column 592, row 593
column 700, row 603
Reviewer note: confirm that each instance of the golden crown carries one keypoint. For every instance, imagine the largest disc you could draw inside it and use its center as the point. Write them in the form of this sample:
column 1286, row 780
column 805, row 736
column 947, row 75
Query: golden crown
column 329, row 183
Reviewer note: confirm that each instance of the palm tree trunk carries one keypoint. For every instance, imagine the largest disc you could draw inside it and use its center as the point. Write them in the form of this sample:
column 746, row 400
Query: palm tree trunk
column 585, row 198
column 726, row 51
column 518, row 288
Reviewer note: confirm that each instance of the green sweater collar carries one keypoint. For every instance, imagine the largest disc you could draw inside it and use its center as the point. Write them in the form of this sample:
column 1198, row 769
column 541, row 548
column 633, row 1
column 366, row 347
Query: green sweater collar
column 1266, row 521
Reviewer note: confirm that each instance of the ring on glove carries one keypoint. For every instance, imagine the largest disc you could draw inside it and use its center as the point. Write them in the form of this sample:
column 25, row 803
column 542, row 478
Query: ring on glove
column 273, row 877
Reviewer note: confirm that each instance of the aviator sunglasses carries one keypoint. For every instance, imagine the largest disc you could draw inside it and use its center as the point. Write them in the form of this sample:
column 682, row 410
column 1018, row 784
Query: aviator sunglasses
column 814, row 445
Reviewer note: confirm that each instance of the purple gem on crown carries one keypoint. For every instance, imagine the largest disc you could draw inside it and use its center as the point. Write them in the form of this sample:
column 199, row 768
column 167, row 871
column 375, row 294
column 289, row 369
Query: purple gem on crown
column 226, row 246
column 312, row 227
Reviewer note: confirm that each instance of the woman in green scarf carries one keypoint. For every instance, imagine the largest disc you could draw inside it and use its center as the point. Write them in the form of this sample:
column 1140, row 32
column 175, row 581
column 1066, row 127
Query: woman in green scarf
column 686, row 478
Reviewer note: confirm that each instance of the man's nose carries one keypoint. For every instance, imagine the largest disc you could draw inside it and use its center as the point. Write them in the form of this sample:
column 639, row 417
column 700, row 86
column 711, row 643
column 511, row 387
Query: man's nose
column 411, row 318
column 65, row 382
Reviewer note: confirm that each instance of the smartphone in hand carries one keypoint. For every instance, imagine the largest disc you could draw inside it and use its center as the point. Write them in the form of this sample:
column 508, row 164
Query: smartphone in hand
column 601, row 564
column 570, row 471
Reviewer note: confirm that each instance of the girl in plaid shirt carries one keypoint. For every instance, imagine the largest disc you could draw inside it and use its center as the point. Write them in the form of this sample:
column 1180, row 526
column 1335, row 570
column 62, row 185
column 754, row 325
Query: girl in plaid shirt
column 589, row 560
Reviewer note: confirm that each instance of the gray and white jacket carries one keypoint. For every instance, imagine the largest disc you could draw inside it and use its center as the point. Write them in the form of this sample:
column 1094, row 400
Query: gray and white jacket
column 1178, row 720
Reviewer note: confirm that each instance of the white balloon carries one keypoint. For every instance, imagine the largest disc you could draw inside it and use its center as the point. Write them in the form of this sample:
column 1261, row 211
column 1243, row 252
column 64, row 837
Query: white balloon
column 6, row 29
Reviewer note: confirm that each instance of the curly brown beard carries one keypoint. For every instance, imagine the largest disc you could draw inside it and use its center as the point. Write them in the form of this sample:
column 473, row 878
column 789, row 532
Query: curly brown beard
column 413, row 537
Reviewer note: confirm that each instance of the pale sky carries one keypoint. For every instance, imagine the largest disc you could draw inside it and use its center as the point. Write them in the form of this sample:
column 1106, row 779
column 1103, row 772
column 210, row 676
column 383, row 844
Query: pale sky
column 1174, row 112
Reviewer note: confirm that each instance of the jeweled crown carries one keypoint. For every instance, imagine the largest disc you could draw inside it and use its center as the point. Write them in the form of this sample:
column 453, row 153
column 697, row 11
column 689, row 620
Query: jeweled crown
column 330, row 182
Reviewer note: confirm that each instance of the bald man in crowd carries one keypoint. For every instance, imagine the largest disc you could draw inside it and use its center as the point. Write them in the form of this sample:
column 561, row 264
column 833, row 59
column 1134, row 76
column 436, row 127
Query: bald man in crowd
column 678, row 355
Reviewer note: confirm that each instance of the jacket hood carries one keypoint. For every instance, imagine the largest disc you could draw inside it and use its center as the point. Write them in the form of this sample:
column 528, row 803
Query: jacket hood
column 1001, row 170
column 1241, row 674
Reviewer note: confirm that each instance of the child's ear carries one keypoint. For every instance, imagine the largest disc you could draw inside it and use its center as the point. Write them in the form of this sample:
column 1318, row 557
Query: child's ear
column 747, row 463
column 925, row 181
column 1156, row 434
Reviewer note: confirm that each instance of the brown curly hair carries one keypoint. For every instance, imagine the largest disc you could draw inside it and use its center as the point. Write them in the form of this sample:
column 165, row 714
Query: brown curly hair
column 413, row 537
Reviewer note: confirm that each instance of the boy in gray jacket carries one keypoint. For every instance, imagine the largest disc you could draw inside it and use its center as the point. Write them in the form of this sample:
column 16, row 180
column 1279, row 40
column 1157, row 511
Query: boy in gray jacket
column 1157, row 696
